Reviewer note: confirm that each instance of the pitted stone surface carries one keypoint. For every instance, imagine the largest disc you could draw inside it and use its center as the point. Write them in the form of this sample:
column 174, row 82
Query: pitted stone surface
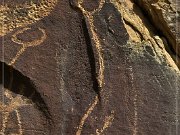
column 75, row 68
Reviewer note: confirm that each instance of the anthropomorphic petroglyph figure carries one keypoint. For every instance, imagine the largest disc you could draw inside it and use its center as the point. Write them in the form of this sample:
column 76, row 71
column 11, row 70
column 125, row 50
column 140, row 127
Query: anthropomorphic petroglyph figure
column 12, row 105
column 89, row 19
column 17, row 102
column 13, row 16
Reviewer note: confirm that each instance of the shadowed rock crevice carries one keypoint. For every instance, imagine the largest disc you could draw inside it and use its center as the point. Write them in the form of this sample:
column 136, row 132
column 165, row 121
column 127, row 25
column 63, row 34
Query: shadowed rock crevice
column 141, row 27
column 156, row 17
column 90, row 49
column 22, row 85
column 91, row 57
column 158, row 31
column 134, row 28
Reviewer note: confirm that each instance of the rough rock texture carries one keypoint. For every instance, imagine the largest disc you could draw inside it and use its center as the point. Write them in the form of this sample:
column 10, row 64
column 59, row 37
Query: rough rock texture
column 165, row 15
column 88, row 68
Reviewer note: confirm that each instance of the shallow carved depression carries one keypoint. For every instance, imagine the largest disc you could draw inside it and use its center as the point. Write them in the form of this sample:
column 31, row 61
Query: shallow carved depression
column 22, row 109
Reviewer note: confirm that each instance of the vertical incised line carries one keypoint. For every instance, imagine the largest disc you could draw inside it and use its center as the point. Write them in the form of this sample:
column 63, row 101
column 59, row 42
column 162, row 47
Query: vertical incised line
column 4, row 122
column 135, row 103
column 19, row 122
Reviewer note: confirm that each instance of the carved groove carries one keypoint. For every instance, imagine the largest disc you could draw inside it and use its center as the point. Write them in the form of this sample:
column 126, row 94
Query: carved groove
column 92, row 59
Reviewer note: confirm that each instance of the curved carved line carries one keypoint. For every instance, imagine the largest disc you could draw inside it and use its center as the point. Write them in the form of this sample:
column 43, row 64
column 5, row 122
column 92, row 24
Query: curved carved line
column 86, row 115
column 25, row 45
column 28, row 44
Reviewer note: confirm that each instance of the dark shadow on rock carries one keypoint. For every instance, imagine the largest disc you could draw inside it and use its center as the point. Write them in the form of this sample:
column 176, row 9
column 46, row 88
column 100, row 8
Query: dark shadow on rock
column 29, row 89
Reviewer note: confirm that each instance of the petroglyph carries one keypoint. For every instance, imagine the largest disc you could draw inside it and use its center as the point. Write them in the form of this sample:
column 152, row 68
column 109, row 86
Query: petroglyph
column 146, row 35
column 17, row 102
column 107, row 123
column 86, row 115
column 14, row 104
column 25, row 45
column 89, row 18
column 135, row 102
column 15, row 16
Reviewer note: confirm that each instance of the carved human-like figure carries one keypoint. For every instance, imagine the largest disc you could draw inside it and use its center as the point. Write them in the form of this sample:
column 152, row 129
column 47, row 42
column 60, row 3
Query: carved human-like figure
column 12, row 16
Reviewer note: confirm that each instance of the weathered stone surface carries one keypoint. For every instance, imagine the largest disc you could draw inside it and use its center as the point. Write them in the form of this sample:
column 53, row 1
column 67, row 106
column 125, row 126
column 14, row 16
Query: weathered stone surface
column 165, row 15
column 76, row 68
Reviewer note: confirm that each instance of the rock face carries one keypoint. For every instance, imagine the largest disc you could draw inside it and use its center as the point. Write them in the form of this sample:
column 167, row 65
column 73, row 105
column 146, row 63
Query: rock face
column 165, row 15
column 89, row 67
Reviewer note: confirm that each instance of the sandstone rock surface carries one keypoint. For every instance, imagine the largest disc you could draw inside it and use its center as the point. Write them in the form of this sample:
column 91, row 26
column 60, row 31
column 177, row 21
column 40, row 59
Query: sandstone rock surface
column 74, row 67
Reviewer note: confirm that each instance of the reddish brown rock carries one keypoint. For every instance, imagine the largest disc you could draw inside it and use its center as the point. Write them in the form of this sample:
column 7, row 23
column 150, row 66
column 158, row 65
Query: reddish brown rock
column 78, row 71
